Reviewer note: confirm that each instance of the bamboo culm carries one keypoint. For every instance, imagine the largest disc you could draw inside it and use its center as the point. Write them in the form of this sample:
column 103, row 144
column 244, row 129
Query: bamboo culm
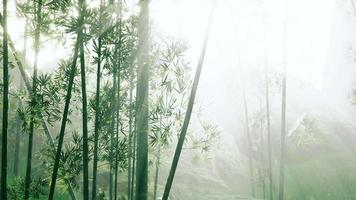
column 189, row 109
column 38, row 13
column 3, row 194
column 97, row 121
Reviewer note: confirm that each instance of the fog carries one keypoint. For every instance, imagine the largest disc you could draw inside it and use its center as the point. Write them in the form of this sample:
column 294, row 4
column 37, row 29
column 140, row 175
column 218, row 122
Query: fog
column 249, row 35
column 250, row 44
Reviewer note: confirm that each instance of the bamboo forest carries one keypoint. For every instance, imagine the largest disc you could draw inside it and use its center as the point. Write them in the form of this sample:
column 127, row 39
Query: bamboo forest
column 178, row 99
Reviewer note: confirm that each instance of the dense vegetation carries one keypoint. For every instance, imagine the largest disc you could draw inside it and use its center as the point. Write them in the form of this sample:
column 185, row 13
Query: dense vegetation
column 112, row 116
column 112, row 45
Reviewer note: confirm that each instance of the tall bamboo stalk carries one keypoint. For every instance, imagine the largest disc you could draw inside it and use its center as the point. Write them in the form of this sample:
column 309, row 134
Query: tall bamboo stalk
column 64, row 119
column 84, row 109
column 132, row 135
column 134, row 160
column 113, row 130
column 38, row 13
column 247, row 125
column 5, row 105
column 130, row 149
column 284, row 101
column 269, row 137
column 268, row 118
column 249, row 141
column 262, row 147
column 113, row 123
column 97, row 121
column 18, row 119
column 189, row 109
column 118, row 97
column 142, row 114
column 158, row 161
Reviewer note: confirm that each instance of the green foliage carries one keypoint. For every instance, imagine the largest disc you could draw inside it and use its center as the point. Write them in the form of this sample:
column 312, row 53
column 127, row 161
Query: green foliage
column 70, row 168
column 38, row 188
column 117, row 27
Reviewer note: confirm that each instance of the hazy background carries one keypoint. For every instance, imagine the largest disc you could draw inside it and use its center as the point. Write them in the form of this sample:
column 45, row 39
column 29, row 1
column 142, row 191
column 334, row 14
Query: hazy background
column 321, row 70
column 321, row 75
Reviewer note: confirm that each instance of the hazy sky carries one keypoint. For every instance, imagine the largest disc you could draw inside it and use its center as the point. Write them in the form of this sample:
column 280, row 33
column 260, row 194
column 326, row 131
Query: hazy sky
column 255, row 31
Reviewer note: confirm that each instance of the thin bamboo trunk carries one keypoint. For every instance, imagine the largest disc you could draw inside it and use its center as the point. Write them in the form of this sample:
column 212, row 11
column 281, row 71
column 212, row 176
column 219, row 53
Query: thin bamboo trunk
column 129, row 170
column 158, row 161
column 269, row 143
column 18, row 130
column 113, row 129
column 17, row 144
column 247, row 127
column 111, row 183
column 117, row 132
column 112, row 134
column 134, row 160
column 249, row 141
column 158, row 155
column 284, row 101
column 118, row 100
column 5, row 106
column 263, row 167
column 64, row 120
column 84, row 109
column 189, row 109
column 268, row 118
column 38, row 13
column 97, row 121
column 132, row 139
column 283, row 135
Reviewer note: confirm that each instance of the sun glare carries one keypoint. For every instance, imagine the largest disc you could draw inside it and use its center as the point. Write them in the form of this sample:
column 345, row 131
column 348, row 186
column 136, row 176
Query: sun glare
column 251, row 25
column 236, row 25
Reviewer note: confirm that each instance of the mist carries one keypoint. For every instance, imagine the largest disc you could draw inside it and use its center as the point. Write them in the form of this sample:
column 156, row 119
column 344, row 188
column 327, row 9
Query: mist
column 178, row 99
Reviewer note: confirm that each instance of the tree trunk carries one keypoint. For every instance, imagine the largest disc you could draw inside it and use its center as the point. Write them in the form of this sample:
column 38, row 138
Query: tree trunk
column 113, row 127
column 84, row 108
column 18, row 129
column 132, row 138
column 283, row 135
column 262, row 147
column 17, row 144
column 117, row 131
column 134, row 160
column 158, row 162
column 249, row 141
column 38, row 13
column 117, row 141
column 112, row 133
column 142, row 114
column 284, row 100
column 64, row 120
column 111, row 183
column 130, row 153
column 97, row 120
column 5, row 106
column 268, row 120
column 189, row 109
column 118, row 99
